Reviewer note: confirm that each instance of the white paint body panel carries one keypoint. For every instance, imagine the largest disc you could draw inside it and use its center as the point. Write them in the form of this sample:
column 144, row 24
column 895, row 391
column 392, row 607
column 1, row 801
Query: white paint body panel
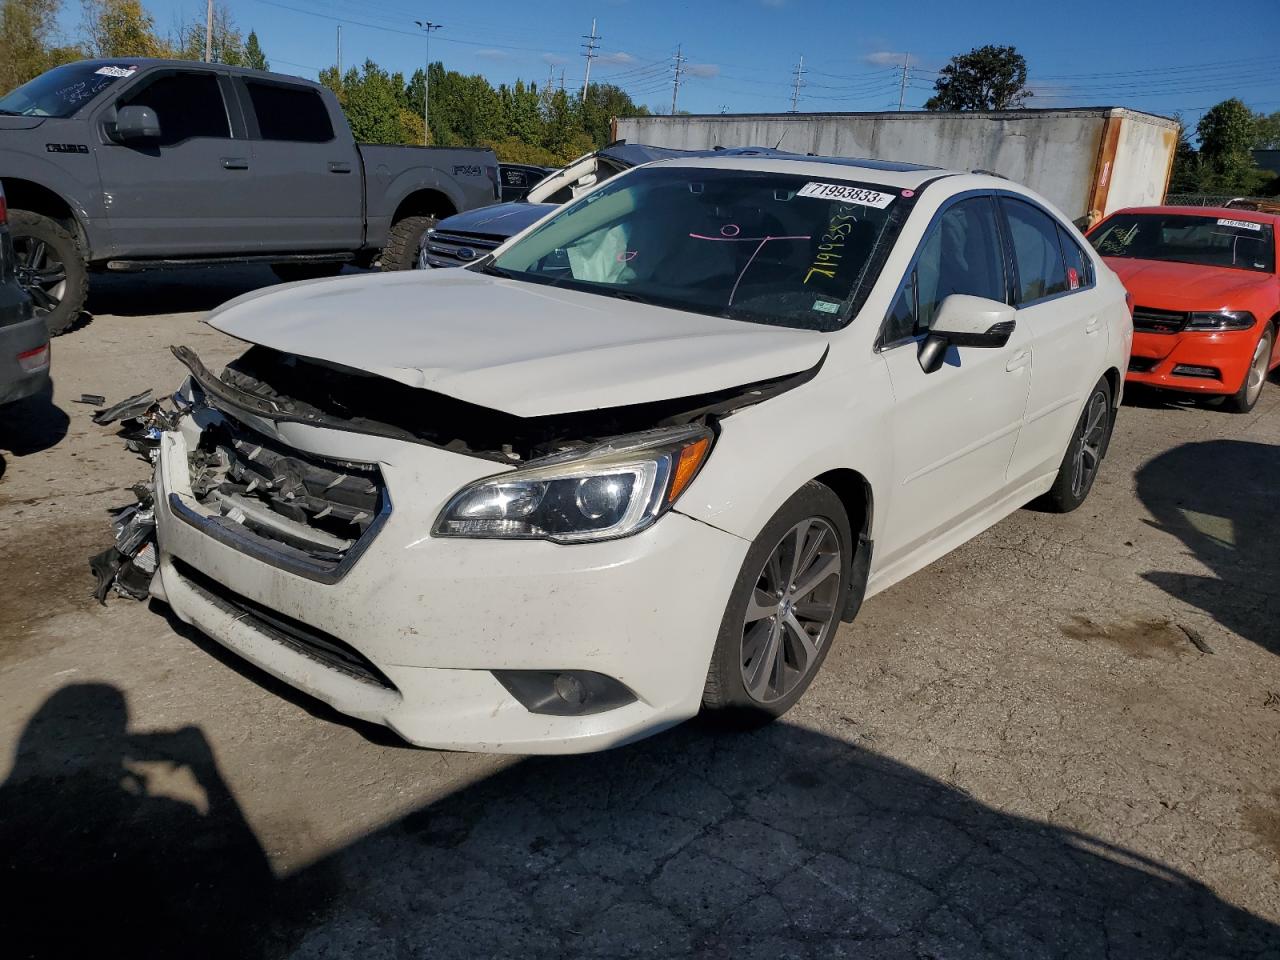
column 944, row 455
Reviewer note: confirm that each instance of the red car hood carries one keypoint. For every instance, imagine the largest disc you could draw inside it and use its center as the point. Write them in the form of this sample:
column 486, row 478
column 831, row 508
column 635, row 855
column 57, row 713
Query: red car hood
column 1186, row 286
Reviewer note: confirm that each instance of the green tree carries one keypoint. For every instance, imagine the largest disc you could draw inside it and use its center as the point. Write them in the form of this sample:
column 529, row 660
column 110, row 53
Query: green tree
column 374, row 100
column 985, row 78
column 603, row 102
column 121, row 28
column 1267, row 132
column 254, row 58
column 1227, row 134
column 27, row 49
column 1185, row 177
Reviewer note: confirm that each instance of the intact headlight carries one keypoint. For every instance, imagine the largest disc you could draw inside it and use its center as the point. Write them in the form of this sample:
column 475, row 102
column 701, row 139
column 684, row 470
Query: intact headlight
column 1222, row 320
column 610, row 490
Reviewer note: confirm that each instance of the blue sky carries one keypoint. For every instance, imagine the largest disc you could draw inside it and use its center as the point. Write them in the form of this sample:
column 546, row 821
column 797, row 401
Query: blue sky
column 1154, row 55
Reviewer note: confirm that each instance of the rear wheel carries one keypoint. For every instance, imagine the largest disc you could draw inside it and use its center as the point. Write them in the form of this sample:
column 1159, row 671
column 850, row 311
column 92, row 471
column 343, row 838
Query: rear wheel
column 1084, row 454
column 289, row 272
column 51, row 268
column 401, row 250
column 1246, row 398
column 783, row 611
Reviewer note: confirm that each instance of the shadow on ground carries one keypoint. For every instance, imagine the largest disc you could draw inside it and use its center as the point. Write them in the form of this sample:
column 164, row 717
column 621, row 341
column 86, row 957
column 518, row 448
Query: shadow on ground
column 1221, row 499
column 779, row 843
column 31, row 425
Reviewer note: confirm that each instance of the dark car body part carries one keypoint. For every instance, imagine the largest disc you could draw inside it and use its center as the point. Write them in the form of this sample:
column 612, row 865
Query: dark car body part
column 283, row 387
column 24, row 339
column 515, row 180
column 274, row 188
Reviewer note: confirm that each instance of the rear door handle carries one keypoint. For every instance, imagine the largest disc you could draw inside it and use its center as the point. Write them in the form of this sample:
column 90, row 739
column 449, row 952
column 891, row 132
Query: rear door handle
column 335, row 167
column 1018, row 362
column 235, row 163
column 1094, row 325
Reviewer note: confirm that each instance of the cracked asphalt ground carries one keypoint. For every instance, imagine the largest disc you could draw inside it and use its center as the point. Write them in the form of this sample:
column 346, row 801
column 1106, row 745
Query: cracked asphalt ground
column 1059, row 741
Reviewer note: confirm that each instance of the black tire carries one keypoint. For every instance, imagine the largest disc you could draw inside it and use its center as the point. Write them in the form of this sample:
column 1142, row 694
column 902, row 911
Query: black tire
column 1075, row 475
column 288, row 272
column 727, row 698
column 1246, row 398
column 401, row 250
column 51, row 268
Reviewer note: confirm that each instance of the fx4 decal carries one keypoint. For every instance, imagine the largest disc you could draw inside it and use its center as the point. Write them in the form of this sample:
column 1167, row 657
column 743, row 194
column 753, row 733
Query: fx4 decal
column 467, row 170
column 66, row 148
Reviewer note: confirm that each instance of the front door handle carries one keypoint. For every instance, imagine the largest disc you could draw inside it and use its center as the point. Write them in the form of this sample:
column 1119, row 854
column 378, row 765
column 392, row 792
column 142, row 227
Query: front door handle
column 335, row 167
column 1018, row 362
column 1094, row 325
column 235, row 163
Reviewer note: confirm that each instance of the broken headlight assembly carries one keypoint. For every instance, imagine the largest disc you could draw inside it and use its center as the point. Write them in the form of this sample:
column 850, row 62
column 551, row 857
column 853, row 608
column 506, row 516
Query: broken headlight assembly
column 609, row 490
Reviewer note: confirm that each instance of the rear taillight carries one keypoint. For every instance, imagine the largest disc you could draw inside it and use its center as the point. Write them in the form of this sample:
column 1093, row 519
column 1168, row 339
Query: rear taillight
column 4, row 210
column 35, row 360
column 492, row 174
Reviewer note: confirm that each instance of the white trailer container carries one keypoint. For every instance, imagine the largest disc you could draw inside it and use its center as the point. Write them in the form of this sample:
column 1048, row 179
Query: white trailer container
column 1087, row 161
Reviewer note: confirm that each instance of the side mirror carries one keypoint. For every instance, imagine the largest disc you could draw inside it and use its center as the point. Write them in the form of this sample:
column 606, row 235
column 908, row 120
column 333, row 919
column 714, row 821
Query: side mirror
column 965, row 321
column 137, row 123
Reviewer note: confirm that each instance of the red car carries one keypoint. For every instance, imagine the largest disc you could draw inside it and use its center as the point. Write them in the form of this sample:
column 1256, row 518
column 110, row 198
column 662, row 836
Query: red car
column 1206, row 297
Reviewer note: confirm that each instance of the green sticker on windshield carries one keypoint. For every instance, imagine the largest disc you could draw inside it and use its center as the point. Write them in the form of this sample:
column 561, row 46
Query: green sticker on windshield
column 826, row 306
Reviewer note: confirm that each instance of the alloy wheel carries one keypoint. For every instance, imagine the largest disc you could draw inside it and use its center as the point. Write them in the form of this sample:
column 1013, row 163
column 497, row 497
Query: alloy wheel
column 1092, row 434
column 1258, row 369
column 40, row 273
column 792, row 610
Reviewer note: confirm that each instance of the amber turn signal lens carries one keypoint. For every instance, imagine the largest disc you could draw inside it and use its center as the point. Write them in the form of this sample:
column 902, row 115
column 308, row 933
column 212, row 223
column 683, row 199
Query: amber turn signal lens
column 691, row 458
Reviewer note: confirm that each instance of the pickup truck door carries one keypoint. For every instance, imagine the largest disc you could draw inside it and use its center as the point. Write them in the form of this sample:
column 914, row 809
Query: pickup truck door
column 308, row 182
column 185, row 192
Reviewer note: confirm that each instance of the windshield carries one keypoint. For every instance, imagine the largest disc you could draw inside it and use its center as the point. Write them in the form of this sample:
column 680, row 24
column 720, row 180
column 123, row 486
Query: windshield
column 1184, row 238
column 762, row 247
column 63, row 90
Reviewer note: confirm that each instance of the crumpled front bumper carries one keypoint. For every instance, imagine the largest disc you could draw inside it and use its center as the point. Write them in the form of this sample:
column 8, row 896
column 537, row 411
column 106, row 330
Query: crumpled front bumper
column 1156, row 357
column 435, row 616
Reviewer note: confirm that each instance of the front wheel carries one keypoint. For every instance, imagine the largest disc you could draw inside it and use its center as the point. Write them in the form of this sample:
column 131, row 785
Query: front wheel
column 51, row 268
column 401, row 250
column 1080, row 464
column 1246, row 398
column 783, row 611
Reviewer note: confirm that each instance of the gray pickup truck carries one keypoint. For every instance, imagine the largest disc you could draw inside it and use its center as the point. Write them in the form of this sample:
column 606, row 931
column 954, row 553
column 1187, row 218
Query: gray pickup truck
column 131, row 164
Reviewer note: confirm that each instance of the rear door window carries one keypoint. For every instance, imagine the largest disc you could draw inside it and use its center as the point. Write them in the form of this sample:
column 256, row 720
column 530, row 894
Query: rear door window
column 293, row 114
column 1036, row 252
column 188, row 105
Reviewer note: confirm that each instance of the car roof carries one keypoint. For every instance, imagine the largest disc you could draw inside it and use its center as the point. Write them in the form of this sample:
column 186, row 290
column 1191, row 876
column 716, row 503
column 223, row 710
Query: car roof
column 1225, row 213
column 907, row 176
column 196, row 65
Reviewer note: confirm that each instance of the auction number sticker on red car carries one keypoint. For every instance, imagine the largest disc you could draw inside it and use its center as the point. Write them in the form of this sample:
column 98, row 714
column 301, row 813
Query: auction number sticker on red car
column 1241, row 224
column 839, row 191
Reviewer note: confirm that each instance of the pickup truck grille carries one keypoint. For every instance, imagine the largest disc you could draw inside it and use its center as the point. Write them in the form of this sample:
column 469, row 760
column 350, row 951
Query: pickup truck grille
column 310, row 515
column 455, row 249
column 1150, row 320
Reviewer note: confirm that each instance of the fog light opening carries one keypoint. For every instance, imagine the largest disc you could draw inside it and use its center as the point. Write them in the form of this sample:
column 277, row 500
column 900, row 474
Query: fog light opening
column 565, row 693
column 1205, row 373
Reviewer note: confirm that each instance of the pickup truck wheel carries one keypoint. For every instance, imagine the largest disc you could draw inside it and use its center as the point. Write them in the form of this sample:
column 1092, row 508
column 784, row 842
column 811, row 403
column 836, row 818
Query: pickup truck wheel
column 288, row 272
column 51, row 267
column 401, row 251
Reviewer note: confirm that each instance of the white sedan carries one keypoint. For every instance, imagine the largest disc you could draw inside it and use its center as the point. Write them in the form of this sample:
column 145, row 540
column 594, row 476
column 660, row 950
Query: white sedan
column 643, row 459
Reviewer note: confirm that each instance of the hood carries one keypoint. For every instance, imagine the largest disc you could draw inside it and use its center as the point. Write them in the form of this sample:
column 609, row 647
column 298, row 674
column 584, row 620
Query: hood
column 521, row 348
column 1186, row 286
column 20, row 123
column 500, row 220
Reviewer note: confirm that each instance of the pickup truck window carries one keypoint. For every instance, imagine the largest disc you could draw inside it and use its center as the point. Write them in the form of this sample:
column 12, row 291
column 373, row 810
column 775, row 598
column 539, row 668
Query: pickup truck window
column 63, row 90
column 187, row 105
column 761, row 247
column 295, row 114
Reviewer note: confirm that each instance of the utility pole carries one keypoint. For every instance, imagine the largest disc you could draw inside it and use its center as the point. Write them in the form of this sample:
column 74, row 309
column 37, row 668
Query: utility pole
column 675, row 80
column 593, row 41
column 562, row 79
column 208, row 33
column 799, row 82
column 427, row 26
column 339, row 53
column 902, row 88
